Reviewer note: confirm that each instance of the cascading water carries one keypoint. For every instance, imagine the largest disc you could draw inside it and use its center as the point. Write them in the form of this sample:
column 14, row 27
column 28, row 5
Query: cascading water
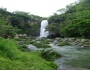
column 43, row 32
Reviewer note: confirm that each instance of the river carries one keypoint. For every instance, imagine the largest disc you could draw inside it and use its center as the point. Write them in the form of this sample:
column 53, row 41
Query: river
column 73, row 57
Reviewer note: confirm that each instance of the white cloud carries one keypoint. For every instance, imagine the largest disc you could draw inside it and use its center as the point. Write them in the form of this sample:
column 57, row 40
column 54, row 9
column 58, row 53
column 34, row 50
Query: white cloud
column 42, row 8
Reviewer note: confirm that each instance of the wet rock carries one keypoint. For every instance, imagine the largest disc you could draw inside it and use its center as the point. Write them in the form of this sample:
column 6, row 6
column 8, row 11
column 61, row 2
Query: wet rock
column 86, row 46
column 38, row 41
column 74, row 41
column 71, row 39
column 55, row 41
column 78, row 40
column 32, row 47
column 84, row 40
column 80, row 44
column 57, row 38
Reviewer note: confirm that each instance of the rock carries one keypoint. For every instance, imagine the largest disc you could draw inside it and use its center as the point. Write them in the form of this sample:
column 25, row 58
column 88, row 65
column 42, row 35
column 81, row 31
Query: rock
column 25, row 35
column 65, row 39
column 86, row 46
column 20, row 35
column 38, row 41
column 84, row 40
column 74, row 41
column 80, row 44
column 20, row 42
column 71, row 39
column 16, row 36
column 78, row 40
column 32, row 47
column 55, row 41
column 57, row 38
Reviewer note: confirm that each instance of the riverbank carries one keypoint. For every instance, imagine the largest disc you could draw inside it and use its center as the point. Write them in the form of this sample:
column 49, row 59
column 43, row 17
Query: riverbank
column 75, row 41
column 12, row 58
column 75, row 55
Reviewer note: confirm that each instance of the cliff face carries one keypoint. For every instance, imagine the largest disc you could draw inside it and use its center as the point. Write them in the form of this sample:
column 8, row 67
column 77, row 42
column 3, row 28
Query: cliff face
column 25, row 22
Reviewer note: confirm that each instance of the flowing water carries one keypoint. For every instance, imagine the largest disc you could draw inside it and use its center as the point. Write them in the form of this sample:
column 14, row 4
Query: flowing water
column 43, row 32
column 73, row 57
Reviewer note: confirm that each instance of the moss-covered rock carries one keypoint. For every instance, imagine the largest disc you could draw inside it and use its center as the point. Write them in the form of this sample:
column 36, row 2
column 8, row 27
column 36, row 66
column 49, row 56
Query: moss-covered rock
column 63, row 44
column 50, row 54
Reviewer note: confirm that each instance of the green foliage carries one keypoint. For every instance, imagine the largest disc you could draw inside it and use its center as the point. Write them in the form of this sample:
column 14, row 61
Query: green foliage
column 84, row 28
column 2, row 21
column 50, row 54
column 45, row 41
column 8, row 48
column 23, row 48
column 4, row 13
column 63, row 44
column 74, row 22
column 21, row 13
column 11, row 58
column 26, row 23
column 40, row 44
column 8, row 30
column 78, row 27
column 53, row 28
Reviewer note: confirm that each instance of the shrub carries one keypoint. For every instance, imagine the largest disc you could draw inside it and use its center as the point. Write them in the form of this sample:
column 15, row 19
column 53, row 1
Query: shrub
column 63, row 44
column 50, row 54
column 11, row 58
column 8, row 48
column 23, row 48
column 40, row 45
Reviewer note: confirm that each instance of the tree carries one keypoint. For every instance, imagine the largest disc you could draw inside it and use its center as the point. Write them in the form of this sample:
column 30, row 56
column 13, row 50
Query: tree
column 7, row 31
column 75, row 22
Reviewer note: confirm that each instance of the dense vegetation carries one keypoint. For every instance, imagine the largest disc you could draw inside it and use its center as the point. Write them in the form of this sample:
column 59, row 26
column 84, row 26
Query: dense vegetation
column 73, row 21
column 50, row 54
column 18, row 22
column 11, row 58
column 12, row 55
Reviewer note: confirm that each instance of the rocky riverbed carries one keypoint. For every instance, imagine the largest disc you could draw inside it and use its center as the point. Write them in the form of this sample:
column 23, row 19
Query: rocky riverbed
column 75, row 41
column 76, row 56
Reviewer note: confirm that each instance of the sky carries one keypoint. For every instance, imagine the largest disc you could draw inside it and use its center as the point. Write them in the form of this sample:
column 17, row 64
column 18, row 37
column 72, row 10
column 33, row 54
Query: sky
column 43, row 8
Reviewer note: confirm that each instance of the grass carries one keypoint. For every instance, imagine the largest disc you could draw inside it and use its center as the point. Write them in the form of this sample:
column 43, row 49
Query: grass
column 11, row 58
column 39, row 43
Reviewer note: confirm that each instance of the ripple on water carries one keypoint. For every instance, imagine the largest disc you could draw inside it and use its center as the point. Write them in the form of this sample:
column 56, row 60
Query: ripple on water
column 72, row 56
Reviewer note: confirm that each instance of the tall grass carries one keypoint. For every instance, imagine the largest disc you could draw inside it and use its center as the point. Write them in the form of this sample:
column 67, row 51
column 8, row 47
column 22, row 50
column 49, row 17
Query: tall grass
column 11, row 58
column 8, row 48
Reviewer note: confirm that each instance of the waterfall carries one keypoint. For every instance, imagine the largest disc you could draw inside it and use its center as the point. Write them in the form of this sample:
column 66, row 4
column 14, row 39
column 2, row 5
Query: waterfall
column 43, row 32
